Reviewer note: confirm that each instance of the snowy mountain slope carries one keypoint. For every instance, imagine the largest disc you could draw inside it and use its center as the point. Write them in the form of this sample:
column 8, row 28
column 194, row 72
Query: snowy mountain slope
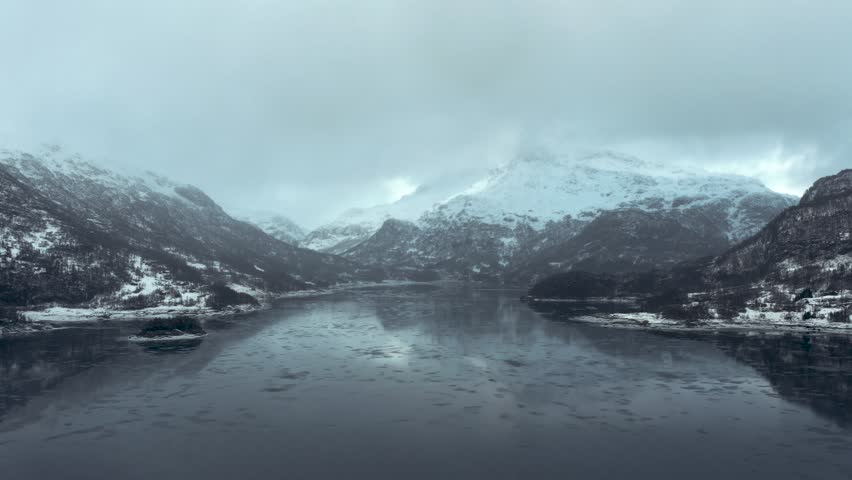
column 796, row 272
column 352, row 228
column 541, row 200
column 357, row 224
column 543, row 187
column 277, row 226
column 72, row 233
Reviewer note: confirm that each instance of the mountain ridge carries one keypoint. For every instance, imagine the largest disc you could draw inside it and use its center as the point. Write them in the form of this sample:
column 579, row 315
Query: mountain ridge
column 538, row 201
column 75, row 234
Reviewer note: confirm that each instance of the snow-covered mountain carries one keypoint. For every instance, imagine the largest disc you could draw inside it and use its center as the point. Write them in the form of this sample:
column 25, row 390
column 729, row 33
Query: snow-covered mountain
column 73, row 233
column 358, row 224
column 276, row 225
column 795, row 272
column 541, row 200
column 541, row 187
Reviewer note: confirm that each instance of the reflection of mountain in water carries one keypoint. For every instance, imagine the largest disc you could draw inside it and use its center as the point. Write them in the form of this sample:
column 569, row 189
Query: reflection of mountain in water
column 82, row 360
column 31, row 365
column 811, row 370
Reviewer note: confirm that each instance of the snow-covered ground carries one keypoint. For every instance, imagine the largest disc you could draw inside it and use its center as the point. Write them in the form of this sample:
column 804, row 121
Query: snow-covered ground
column 764, row 321
column 763, row 318
column 71, row 315
column 66, row 315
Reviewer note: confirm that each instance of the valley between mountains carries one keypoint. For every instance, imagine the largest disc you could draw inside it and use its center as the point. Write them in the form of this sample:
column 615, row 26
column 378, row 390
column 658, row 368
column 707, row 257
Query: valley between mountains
column 621, row 240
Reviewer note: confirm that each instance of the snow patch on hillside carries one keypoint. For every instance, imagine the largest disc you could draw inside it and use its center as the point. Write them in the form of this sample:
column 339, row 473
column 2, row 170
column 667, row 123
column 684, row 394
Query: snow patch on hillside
column 43, row 240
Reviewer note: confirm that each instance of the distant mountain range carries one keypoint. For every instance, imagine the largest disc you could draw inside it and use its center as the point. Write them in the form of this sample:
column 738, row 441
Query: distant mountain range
column 356, row 225
column 545, row 212
column 276, row 225
column 75, row 234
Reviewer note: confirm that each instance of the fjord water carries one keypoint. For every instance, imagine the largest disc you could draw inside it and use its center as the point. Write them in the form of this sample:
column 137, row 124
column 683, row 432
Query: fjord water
column 424, row 382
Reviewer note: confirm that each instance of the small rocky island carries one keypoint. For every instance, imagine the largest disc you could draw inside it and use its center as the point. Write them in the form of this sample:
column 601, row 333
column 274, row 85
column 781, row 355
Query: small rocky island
column 170, row 329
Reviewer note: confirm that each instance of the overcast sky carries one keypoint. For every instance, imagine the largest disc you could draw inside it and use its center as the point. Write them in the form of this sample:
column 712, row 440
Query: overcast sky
column 309, row 107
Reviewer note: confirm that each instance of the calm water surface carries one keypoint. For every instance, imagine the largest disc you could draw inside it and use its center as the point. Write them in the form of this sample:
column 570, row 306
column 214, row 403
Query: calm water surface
column 424, row 382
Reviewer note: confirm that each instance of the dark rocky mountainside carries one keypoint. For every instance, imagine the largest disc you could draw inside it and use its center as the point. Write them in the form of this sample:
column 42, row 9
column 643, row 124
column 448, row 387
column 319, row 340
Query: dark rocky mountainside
column 798, row 268
column 627, row 241
column 72, row 233
column 392, row 243
column 839, row 185
column 812, row 239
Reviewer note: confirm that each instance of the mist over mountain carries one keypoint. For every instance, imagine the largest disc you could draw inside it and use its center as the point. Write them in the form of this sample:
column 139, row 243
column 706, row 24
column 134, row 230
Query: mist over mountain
column 276, row 225
column 548, row 211
column 420, row 90
column 357, row 224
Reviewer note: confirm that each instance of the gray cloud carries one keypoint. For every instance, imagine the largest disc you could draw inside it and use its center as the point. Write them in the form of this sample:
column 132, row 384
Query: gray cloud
column 311, row 107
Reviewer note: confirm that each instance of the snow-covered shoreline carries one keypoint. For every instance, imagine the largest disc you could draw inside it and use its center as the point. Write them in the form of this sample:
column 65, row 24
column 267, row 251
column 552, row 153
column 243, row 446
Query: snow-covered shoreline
column 50, row 318
column 61, row 315
column 653, row 321
column 804, row 312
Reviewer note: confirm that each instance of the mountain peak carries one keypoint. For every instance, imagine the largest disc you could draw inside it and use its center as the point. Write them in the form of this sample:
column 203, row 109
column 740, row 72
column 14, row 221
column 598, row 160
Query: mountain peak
column 544, row 187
